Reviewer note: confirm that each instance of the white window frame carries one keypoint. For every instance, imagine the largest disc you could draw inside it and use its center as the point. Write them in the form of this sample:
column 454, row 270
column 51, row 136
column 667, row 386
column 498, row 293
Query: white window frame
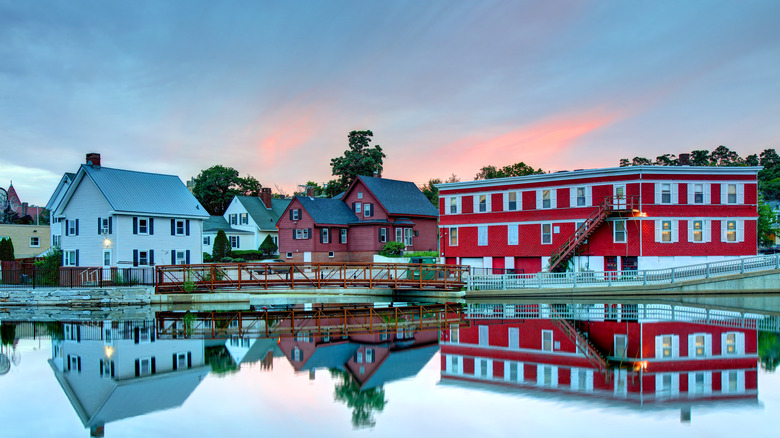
column 408, row 237
column 696, row 350
column 104, row 225
column 383, row 235
column 358, row 206
column 367, row 210
column 453, row 201
column 56, row 240
column 518, row 200
column 616, row 232
column 37, row 241
column 343, row 236
column 70, row 224
column 70, row 257
column 243, row 218
column 325, row 235
column 295, row 214
column 181, row 257
column 575, row 196
column 547, row 341
column 453, row 236
column 478, row 204
column 661, row 347
column 145, row 361
column 180, row 230
column 482, row 235
column 548, row 233
column 399, row 235
column 705, row 229
column 512, row 235
column 181, row 361
column 234, row 241
column 674, row 232
column 738, row 231
column 233, row 218
column 143, row 226
column 143, row 258
column 617, row 339
column 705, row 193
column 738, row 346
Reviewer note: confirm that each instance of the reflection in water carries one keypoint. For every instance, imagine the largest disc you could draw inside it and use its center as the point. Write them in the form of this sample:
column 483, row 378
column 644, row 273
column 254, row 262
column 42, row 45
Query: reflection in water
column 626, row 353
column 363, row 402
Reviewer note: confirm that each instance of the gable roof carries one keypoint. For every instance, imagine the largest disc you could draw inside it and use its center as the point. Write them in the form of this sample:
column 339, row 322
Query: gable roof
column 216, row 223
column 62, row 187
column 398, row 197
column 327, row 210
column 128, row 191
column 264, row 218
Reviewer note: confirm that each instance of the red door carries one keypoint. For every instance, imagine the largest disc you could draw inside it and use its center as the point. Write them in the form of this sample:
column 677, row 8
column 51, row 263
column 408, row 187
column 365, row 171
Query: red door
column 611, row 265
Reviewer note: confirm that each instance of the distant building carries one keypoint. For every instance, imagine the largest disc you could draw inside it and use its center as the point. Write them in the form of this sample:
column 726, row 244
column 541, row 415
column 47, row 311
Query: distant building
column 354, row 226
column 15, row 204
column 28, row 240
column 122, row 218
column 615, row 219
column 257, row 216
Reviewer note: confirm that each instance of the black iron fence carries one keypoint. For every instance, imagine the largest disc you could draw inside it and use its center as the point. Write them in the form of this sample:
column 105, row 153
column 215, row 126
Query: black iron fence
column 75, row 277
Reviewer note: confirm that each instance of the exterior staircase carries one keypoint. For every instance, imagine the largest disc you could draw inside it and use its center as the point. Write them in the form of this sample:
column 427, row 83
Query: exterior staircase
column 610, row 206
column 594, row 356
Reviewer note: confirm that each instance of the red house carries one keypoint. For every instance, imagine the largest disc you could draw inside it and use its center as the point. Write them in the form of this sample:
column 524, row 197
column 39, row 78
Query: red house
column 651, row 360
column 357, row 224
column 624, row 218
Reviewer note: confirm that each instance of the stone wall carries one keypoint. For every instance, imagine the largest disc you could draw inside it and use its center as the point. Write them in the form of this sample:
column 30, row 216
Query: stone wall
column 87, row 297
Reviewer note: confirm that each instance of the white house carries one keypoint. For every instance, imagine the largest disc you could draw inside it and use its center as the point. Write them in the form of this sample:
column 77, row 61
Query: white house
column 55, row 224
column 122, row 218
column 236, row 237
column 257, row 215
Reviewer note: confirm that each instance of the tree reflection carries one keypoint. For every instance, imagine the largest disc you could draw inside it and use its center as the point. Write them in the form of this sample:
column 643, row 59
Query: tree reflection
column 363, row 403
column 220, row 360
column 769, row 350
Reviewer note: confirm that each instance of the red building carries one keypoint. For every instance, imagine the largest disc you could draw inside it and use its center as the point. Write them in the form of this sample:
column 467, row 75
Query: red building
column 625, row 218
column 357, row 224
column 650, row 360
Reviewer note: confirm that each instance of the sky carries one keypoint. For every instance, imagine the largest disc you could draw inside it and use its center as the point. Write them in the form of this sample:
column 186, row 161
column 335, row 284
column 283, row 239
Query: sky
column 272, row 88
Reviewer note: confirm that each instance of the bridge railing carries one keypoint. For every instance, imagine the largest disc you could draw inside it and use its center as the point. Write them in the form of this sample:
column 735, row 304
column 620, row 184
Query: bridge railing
column 622, row 278
column 241, row 276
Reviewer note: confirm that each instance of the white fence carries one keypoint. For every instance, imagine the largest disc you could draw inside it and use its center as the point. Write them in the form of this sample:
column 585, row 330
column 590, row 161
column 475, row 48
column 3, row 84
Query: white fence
column 622, row 278
column 625, row 312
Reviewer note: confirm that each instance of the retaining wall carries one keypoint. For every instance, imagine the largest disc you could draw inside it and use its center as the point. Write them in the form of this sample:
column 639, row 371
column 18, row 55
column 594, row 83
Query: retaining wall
column 87, row 297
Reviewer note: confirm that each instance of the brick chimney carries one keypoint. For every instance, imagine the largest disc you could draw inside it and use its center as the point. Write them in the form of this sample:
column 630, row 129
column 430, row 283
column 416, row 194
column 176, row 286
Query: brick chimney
column 310, row 191
column 93, row 159
column 685, row 159
column 265, row 196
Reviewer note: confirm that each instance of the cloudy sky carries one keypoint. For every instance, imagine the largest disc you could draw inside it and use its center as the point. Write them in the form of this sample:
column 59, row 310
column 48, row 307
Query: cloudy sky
column 272, row 88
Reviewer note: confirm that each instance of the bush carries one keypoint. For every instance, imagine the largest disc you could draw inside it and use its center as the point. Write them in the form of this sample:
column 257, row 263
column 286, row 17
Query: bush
column 227, row 260
column 221, row 247
column 392, row 249
column 50, row 265
column 188, row 286
column 248, row 254
column 422, row 254
column 268, row 247
column 239, row 260
column 6, row 250
column 207, row 257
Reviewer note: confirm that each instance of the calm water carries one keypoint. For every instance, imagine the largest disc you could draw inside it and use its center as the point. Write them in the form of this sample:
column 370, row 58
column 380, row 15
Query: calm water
column 493, row 370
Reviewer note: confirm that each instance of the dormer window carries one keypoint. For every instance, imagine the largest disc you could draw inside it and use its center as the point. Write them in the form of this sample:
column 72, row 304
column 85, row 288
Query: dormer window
column 357, row 206
column 295, row 214
column 367, row 210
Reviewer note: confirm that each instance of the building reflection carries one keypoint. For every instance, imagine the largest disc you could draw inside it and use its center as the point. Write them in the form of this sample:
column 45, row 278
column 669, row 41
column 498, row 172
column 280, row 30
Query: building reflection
column 112, row 370
column 639, row 355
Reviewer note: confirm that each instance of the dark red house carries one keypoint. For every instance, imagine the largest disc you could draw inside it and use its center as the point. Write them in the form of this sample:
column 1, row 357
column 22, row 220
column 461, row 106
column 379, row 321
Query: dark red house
column 357, row 224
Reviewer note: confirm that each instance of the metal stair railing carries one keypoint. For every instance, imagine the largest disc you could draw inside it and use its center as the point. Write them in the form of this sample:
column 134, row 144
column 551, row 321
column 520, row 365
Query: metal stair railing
column 583, row 344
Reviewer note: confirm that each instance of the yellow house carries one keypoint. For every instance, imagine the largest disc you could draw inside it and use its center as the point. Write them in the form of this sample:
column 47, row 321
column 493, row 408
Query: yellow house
column 28, row 240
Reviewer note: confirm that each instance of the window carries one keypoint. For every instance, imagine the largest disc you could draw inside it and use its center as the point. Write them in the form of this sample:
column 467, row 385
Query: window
column 383, row 234
column 399, row 234
column 56, row 240
column 343, row 235
column 324, row 235
column 106, row 368
column 619, row 228
column 74, row 363
column 511, row 233
column 244, row 217
column 667, row 346
column 483, row 366
column 731, row 231
column 482, row 235
column 547, row 340
column 357, row 205
column 546, row 234
column 294, row 214
column 453, row 237
column 455, row 334
column 35, row 242
column 454, row 205
column 581, row 196
column 731, row 190
column 697, row 228
column 143, row 225
column 482, row 203
column 698, row 193
column 621, row 345
column 289, row 255
column 233, row 219
column 297, row 354
column 143, row 258
column 732, row 343
column 70, row 227
column 546, row 199
column 144, row 367
column 484, row 335
column 514, row 371
column 511, row 202
column 104, row 228
column 358, row 357
column 70, row 258
column 700, row 349
column 331, row 254
column 369, row 355
column 301, row 233
column 666, row 231
column 180, row 228
column 234, row 241
column 407, row 236
column 666, row 193
column 367, row 210
column 180, row 361
column 207, row 240
column 181, row 257
column 360, row 195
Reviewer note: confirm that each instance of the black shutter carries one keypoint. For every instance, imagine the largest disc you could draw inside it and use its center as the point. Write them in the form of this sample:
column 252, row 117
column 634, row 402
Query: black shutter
column 137, row 367
column 291, row 214
column 77, row 227
column 293, row 234
column 187, row 224
column 151, row 226
column 353, row 206
column 173, row 227
column 322, row 230
column 66, row 227
column 189, row 359
column 188, row 257
column 379, row 233
column 154, row 366
column 310, row 236
column 110, row 228
column 238, row 242
column 112, row 368
column 173, row 256
column 175, row 365
column 98, row 225
column 135, row 225
column 68, row 362
column 77, row 258
column 151, row 257
column 136, row 335
column 299, row 214
column 79, row 361
column 135, row 257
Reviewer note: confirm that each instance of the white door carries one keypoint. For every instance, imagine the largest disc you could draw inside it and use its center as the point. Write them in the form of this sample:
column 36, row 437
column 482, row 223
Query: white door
column 619, row 196
column 106, row 264
column 306, row 257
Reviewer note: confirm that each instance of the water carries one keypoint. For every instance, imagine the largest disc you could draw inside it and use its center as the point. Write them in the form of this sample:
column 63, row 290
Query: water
column 494, row 370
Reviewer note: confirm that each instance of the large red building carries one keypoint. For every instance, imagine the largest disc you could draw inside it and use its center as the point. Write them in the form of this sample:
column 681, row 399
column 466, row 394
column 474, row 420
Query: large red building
column 624, row 218
column 357, row 224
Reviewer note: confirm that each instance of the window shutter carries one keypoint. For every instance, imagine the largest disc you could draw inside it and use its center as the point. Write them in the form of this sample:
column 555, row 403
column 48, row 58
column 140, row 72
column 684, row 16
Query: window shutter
column 691, row 345
column 290, row 214
column 112, row 368
column 353, row 206
column 309, row 234
column 506, row 201
column 707, row 194
column 98, row 225
column 136, row 335
column 740, row 193
column 189, row 359
column 572, row 196
column 659, row 352
column 173, row 227
column 740, row 231
column 690, row 195
column 173, row 256
column 722, row 230
column 135, row 257
column 137, row 367
column 657, row 199
column 539, row 199
column 66, row 227
column 589, row 196
column 110, row 227
column 68, row 362
column 675, row 194
column 708, row 344
column 154, row 365
column 77, row 258
column 690, row 227
column 77, row 227
column 724, row 193
column 79, row 363
column 707, row 231
column 151, row 226
column 151, row 257
column 322, row 237
column 135, row 225
column 300, row 214
column 675, row 231
column 657, row 230
column 293, row 236
column 187, row 257
column 175, row 362
column 187, row 226
column 553, row 198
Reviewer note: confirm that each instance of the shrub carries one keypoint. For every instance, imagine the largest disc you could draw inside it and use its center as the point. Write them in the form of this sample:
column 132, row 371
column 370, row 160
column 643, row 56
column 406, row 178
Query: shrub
column 248, row 254
column 207, row 257
column 422, row 254
column 392, row 249
column 6, row 250
column 227, row 260
column 50, row 265
column 188, row 286
column 221, row 247
column 239, row 260
column 268, row 247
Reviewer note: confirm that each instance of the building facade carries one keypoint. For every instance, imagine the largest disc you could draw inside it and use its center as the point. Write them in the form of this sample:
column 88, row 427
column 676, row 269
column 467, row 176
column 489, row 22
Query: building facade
column 638, row 217
column 28, row 240
column 356, row 225
column 256, row 216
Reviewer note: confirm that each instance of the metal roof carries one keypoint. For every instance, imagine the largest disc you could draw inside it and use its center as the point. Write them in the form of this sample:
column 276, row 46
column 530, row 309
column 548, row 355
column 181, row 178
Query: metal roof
column 264, row 218
column 129, row 191
column 399, row 197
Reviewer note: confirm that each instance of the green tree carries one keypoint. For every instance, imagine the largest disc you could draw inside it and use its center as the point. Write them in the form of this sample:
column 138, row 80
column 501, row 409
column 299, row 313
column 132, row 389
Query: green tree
column 268, row 246
column 769, row 350
column 723, row 156
column 359, row 159
column 517, row 169
column 216, row 186
column 6, row 250
column 363, row 403
column 767, row 220
column 221, row 247
column 431, row 192
column 700, row 157
column 751, row 160
column 666, row 160
column 50, row 265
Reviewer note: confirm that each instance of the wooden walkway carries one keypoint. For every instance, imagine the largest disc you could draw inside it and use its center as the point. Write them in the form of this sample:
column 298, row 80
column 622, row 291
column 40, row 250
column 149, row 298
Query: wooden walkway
column 285, row 276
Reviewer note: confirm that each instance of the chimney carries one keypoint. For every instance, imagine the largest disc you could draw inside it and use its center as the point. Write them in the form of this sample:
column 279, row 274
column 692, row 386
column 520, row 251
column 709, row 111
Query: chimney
column 265, row 196
column 93, row 159
column 310, row 191
column 377, row 174
column 685, row 159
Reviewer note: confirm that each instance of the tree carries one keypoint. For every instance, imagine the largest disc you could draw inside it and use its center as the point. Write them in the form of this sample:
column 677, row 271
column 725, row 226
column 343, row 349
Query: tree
column 268, row 246
column 666, row 160
column 700, row 157
column 751, row 160
column 359, row 159
column 216, row 186
column 431, row 192
column 316, row 190
column 221, row 247
column 363, row 403
column 517, row 169
column 723, row 156
column 6, row 250
column 767, row 220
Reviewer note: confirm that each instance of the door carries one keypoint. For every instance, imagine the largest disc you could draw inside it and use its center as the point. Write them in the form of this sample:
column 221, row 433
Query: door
column 610, row 266
column 106, row 264
column 619, row 196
